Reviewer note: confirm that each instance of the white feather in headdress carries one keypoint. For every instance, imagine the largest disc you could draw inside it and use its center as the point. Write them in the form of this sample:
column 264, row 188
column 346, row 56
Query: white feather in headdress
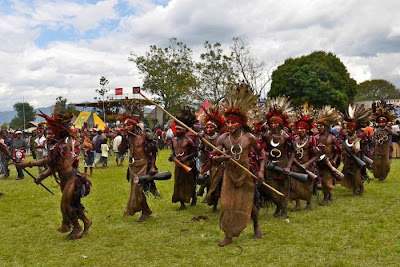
column 328, row 116
column 359, row 114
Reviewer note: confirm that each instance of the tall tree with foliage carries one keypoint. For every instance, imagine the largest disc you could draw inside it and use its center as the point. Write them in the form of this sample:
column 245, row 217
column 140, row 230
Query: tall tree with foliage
column 247, row 67
column 319, row 78
column 216, row 74
column 25, row 113
column 376, row 90
column 168, row 73
column 61, row 106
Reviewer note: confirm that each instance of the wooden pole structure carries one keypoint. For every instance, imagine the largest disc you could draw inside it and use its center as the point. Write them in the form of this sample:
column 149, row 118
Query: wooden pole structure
column 212, row 146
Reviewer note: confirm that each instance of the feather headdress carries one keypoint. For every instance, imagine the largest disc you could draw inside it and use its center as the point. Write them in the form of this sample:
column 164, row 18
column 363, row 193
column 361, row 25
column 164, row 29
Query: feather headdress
column 130, row 119
column 212, row 116
column 132, row 107
column 279, row 110
column 305, row 117
column 187, row 116
column 239, row 102
column 382, row 112
column 328, row 116
column 257, row 117
column 59, row 124
column 358, row 116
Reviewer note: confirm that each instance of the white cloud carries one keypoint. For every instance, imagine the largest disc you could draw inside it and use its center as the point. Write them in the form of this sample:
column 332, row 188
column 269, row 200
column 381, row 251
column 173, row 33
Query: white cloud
column 364, row 34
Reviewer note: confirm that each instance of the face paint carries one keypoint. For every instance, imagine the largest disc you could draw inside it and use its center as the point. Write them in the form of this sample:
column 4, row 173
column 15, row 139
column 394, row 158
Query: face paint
column 301, row 131
column 381, row 124
column 274, row 124
column 232, row 126
column 210, row 130
column 321, row 128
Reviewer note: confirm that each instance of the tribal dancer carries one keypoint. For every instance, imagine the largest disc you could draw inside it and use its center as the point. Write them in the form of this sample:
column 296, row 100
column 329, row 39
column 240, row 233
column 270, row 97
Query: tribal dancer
column 279, row 152
column 142, row 159
column 355, row 144
column 238, row 188
column 381, row 142
column 212, row 172
column 329, row 149
column 184, row 152
column 73, row 184
column 304, row 157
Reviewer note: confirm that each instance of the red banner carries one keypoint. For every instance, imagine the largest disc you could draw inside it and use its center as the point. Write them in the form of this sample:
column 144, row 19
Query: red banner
column 136, row 90
column 118, row 91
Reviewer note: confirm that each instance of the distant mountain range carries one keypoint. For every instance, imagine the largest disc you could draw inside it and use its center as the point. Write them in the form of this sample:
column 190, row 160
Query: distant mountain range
column 7, row 116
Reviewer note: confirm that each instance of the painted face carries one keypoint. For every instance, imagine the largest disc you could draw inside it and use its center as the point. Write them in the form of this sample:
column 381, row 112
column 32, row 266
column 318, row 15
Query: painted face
column 210, row 130
column 274, row 125
column 350, row 130
column 232, row 126
column 381, row 124
column 320, row 127
column 301, row 131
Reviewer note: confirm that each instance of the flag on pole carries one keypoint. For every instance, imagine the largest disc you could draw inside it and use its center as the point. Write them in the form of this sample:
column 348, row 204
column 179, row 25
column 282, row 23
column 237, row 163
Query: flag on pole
column 118, row 91
column 136, row 90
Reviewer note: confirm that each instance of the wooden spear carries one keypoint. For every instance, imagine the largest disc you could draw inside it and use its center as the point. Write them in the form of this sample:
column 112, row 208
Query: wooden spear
column 211, row 145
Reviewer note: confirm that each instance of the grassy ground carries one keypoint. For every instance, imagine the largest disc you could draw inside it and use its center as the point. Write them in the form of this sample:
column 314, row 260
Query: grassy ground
column 360, row 231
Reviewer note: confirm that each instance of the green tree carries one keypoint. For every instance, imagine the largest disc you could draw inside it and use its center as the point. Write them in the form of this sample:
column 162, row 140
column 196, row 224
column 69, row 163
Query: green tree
column 62, row 106
column 168, row 73
column 4, row 126
column 215, row 72
column 319, row 78
column 376, row 90
column 25, row 114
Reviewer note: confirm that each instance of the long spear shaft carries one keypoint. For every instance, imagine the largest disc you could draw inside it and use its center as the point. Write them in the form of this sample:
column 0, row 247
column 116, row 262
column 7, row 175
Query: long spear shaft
column 33, row 177
column 212, row 146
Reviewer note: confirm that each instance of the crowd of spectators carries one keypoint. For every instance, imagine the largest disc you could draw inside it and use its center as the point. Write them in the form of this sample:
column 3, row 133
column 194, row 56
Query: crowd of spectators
column 92, row 146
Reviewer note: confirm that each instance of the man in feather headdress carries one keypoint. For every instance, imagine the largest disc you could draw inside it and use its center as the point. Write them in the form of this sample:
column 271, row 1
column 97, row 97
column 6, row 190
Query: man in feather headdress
column 60, row 159
column 212, row 172
column 305, row 148
column 184, row 151
column 238, row 188
column 142, row 159
column 381, row 141
column 355, row 144
column 279, row 151
column 329, row 150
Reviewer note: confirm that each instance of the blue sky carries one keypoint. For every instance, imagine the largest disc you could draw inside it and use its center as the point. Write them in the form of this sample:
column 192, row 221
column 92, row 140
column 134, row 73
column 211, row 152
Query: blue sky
column 61, row 48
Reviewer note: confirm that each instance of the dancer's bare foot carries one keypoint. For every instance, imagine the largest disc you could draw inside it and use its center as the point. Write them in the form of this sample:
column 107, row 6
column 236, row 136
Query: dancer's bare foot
column 144, row 216
column 257, row 232
column 283, row 216
column 225, row 242
column 182, row 207
column 64, row 228
column 194, row 201
column 214, row 210
column 296, row 208
column 324, row 202
column 86, row 227
column 75, row 234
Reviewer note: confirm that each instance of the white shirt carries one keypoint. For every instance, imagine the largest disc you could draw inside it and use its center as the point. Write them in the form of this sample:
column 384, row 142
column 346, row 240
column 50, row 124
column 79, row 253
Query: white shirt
column 104, row 150
column 116, row 142
column 40, row 142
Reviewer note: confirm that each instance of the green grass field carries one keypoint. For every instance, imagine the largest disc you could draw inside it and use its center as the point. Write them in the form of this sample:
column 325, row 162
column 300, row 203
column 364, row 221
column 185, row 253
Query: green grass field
column 352, row 231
